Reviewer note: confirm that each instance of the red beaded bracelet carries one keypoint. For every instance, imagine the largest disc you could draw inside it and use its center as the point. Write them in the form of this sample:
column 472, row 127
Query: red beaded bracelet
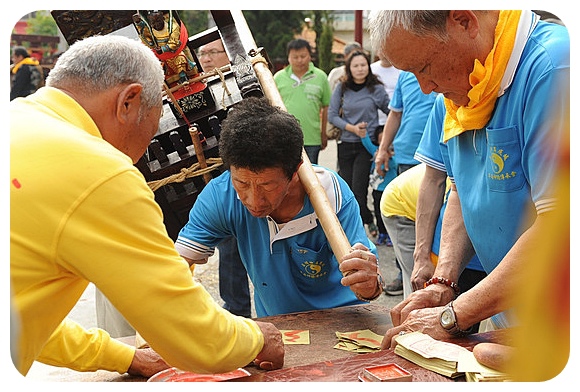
column 445, row 281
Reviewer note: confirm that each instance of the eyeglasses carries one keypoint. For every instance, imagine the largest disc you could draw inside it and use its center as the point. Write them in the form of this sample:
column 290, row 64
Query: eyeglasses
column 211, row 53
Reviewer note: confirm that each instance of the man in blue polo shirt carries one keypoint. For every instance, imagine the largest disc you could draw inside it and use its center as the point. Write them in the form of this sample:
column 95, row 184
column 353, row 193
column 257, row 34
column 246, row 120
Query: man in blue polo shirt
column 261, row 201
column 505, row 76
column 409, row 110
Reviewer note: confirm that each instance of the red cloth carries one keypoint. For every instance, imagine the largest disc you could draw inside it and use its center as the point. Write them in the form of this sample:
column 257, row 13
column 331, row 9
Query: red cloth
column 183, row 38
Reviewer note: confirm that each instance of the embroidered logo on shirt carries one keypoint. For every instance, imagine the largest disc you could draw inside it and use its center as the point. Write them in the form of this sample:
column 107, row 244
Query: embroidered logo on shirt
column 498, row 160
column 313, row 269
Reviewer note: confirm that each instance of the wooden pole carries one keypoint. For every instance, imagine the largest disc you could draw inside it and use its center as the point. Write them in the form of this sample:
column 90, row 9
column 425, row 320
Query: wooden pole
column 193, row 132
column 328, row 219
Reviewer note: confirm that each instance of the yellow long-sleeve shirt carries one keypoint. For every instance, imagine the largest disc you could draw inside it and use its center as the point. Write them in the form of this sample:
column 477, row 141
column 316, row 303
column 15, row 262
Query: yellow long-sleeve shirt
column 79, row 212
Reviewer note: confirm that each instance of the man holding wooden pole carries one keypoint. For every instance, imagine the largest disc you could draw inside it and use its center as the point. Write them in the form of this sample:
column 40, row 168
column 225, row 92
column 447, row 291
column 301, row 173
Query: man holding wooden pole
column 262, row 201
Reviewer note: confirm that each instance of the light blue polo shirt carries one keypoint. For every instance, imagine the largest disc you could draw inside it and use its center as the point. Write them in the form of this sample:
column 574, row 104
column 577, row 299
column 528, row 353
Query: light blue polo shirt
column 416, row 106
column 504, row 171
column 292, row 267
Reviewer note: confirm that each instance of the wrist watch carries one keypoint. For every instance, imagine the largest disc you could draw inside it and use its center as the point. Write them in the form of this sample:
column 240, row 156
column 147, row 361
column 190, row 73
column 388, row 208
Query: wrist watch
column 448, row 321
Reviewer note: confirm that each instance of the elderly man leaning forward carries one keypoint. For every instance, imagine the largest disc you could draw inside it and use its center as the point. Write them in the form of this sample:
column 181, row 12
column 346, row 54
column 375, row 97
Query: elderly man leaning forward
column 81, row 212
column 505, row 76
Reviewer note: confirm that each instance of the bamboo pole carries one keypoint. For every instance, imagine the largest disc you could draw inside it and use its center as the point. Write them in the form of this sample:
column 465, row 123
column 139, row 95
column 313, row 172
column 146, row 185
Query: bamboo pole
column 328, row 219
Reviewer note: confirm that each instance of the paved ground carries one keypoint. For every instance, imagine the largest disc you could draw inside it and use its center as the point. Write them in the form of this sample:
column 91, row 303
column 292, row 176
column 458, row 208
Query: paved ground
column 84, row 311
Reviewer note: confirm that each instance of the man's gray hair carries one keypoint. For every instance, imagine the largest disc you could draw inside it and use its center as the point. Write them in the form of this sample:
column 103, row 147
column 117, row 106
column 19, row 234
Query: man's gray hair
column 419, row 22
column 99, row 63
column 351, row 47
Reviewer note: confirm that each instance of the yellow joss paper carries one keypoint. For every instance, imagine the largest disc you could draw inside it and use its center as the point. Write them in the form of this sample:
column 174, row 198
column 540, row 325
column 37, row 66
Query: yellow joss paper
column 362, row 338
column 295, row 336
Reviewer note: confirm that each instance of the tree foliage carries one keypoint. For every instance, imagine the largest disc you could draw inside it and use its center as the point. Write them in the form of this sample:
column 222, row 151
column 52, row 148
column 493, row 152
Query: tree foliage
column 325, row 58
column 42, row 24
column 195, row 21
column 273, row 30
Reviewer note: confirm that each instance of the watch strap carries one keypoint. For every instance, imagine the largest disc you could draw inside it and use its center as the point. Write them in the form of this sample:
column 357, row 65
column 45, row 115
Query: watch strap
column 454, row 329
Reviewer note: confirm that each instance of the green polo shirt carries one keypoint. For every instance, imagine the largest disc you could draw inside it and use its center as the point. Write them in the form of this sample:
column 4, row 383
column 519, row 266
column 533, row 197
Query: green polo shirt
column 304, row 99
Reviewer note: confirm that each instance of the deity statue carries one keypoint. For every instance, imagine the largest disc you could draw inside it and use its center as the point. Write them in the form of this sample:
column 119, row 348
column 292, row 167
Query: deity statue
column 167, row 37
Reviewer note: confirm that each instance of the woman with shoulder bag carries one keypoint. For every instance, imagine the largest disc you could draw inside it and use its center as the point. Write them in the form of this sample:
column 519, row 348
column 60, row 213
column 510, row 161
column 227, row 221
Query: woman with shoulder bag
column 359, row 95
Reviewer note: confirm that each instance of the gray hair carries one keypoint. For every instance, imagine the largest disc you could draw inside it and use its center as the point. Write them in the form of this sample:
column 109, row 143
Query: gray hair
column 351, row 47
column 99, row 63
column 419, row 22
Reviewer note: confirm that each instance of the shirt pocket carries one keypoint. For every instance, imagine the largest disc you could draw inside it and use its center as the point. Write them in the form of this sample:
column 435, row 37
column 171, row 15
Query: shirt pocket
column 311, row 265
column 504, row 172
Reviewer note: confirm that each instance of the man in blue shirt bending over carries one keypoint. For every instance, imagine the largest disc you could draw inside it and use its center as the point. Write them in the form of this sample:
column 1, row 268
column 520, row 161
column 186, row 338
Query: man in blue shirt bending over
column 261, row 201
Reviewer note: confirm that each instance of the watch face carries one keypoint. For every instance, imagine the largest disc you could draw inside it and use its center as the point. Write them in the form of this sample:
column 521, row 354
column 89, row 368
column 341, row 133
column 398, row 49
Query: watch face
column 447, row 319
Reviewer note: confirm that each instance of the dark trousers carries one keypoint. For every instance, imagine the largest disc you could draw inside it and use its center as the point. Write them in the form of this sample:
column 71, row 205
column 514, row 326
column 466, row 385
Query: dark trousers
column 233, row 279
column 467, row 280
column 354, row 162
column 403, row 167
column 312, row 152
column 377, row 207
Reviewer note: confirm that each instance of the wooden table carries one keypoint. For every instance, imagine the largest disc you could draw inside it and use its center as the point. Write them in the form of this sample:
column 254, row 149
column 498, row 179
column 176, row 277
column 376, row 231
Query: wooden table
column 318, row 361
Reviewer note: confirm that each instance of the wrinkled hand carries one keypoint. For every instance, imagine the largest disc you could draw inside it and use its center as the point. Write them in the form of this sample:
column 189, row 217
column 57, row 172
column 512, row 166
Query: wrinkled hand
column 272, row 355
column 360, row 269
column 146, row 363
column 432, row 296
column 423, row 320
column 422, row 271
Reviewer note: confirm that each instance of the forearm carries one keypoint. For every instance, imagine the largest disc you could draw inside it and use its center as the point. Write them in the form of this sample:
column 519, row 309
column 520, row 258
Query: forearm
column 323, row 118
column 323, row 125
column 390, row 130
column 72, row 346
column 456, row 249
column 429, row 202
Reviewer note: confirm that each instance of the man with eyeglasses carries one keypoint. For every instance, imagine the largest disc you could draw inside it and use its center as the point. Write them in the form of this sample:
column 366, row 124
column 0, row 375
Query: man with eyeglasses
column 213, row 55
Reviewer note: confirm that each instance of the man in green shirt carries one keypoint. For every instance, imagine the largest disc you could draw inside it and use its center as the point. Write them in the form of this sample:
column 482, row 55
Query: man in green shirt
column 306, row 94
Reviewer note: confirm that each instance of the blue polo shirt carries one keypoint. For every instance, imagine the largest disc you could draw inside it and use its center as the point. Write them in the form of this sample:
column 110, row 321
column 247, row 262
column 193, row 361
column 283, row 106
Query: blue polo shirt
column 292, row 267
column 503, row 172
column 416, row 106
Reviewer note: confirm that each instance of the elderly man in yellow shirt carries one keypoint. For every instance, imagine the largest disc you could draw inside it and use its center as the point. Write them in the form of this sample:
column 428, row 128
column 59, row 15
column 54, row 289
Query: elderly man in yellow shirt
column 81, row 212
